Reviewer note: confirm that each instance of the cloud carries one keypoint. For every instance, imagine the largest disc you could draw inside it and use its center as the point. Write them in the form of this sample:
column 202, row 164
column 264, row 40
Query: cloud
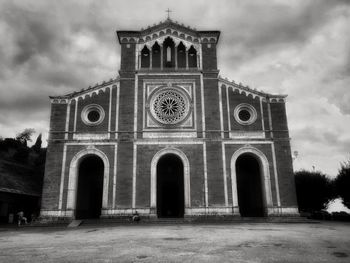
column 258, row 28
column 301, row 48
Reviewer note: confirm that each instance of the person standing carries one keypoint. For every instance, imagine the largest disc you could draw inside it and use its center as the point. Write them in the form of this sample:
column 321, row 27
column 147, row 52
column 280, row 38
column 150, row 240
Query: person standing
column 21, row 218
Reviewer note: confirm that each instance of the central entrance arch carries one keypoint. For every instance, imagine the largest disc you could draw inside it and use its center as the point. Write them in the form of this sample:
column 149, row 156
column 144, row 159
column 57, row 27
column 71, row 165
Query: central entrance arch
column 175, row 153
column 90, row 187
column 170, row 187
column 249, row 186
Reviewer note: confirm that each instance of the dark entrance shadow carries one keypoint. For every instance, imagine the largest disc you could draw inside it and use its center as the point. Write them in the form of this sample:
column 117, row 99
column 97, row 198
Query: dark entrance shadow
column 170, row 187
column 90, row 188
column 249, row 187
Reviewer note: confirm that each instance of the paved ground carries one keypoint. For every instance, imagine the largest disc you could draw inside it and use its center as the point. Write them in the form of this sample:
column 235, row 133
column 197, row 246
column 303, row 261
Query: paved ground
column 247, row 242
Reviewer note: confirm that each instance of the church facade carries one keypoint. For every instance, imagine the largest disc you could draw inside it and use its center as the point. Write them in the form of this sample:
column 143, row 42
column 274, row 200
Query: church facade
column 168, row 138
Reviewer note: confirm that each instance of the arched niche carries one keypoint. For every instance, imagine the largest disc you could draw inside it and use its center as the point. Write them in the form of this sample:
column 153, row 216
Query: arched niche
column 264, row 173
column 145, row 57
column 73, row 177
column 168, row 53
column 192, row 57
column 186, row 174
column 181, row 56
column 156, row 55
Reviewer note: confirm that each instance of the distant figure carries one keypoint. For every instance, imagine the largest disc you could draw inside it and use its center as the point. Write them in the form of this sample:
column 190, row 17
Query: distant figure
column 21, row 218
column 135, row 217
column 33, row 218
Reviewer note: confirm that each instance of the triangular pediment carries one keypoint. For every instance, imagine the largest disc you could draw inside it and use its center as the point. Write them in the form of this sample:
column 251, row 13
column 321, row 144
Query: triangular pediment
column 168, row 25
column 168, row 28
column 96, row 89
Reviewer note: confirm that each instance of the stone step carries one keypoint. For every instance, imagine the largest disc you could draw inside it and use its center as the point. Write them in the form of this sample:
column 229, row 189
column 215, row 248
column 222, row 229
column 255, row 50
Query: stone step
column 75, row 223
column 199, row 220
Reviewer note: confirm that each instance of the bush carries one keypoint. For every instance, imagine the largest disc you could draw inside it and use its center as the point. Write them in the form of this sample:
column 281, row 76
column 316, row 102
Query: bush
column 321, row 215
column 314, row 190
column 342, row 183
column 341, row 216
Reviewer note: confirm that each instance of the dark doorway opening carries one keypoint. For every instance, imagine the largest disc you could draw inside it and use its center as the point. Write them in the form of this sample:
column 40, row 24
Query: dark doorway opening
column 90, row 188
column 170, row 187
column 249, row 186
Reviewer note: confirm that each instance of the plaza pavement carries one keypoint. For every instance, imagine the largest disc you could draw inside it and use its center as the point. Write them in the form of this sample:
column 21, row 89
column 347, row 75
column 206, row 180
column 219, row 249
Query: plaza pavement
column 236, row 242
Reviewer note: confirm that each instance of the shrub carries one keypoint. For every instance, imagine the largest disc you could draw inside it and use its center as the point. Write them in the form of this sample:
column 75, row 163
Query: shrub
column 314, row 190
column 342, row 183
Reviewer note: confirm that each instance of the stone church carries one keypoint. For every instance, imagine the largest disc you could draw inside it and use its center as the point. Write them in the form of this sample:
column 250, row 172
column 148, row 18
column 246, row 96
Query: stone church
column 168, row 138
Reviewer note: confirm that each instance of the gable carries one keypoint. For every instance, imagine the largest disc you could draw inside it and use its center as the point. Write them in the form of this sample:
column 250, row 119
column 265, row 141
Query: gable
column 168, row 28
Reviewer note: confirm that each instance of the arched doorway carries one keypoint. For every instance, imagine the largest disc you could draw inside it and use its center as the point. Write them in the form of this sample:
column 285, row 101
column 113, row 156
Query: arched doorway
column 249, row 186
column 170, row 186
column 90, row 187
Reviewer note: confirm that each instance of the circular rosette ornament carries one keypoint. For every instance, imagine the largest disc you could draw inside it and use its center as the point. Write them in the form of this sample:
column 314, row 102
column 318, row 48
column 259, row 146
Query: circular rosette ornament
column 169, row 106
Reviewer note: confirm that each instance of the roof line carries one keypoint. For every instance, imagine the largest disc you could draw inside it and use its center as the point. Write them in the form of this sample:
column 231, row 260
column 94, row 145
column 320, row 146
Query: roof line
column 90, row 88
column 247, row 88
column 157, row 26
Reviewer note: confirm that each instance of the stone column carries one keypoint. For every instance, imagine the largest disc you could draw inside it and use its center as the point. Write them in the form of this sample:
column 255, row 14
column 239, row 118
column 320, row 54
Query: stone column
column 150, row 58
column 175, row 57
column 161, row 57
column 139, row 60
column 186, row 58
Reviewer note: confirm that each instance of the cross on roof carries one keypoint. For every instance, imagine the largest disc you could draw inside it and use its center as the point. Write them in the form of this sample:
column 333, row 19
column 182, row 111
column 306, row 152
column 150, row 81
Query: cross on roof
column 168, row 11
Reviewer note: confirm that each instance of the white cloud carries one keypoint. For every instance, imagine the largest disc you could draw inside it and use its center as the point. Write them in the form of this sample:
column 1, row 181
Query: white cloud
column 300, row 48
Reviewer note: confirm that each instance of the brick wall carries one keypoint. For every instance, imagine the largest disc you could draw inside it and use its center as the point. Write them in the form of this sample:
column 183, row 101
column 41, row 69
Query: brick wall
column 126, row 108
column 234, row 100
column 127, row 60
column 52, row 178
column 145, row 153
column 101, row 99
column 266, row 149
column 57, row 121
column 124, row 174
column 283, row 154
column 209, row 56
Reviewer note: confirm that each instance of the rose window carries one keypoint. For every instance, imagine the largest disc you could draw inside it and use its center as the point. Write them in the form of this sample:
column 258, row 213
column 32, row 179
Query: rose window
column 169, row 107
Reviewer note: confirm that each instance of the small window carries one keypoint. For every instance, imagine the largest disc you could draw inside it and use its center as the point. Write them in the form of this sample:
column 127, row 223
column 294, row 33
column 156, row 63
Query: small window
column 245, row 114
column 145, row 58
column 92, row 114
column 192, row 57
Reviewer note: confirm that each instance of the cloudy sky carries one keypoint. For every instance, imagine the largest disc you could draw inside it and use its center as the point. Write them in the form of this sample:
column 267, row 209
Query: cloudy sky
column 300, row 48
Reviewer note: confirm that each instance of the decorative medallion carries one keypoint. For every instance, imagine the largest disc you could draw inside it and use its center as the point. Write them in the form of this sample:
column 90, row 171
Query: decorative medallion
column 245, row 114
column 92, row 114
column 169, row 106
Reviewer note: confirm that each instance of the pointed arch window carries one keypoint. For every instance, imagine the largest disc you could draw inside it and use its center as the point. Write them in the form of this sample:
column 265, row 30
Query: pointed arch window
column 168, row 54
column 156, row 56
column 169, row 51
column 145, row 57
column 192, row 57
column 181, row 55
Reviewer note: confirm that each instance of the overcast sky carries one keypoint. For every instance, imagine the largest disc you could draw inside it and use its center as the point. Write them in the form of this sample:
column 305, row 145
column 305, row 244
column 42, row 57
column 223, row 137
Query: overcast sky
column 299, row 48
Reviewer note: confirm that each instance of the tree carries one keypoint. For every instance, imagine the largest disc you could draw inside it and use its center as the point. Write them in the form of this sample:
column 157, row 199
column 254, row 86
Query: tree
column 342, row 183
column 37, row 145
column 314, row 190
column 25, row 135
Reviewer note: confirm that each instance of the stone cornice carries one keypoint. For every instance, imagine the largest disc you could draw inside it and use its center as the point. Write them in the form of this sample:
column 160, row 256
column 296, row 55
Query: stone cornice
column 168, row 27
column 246, row 90
column 85, row 92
